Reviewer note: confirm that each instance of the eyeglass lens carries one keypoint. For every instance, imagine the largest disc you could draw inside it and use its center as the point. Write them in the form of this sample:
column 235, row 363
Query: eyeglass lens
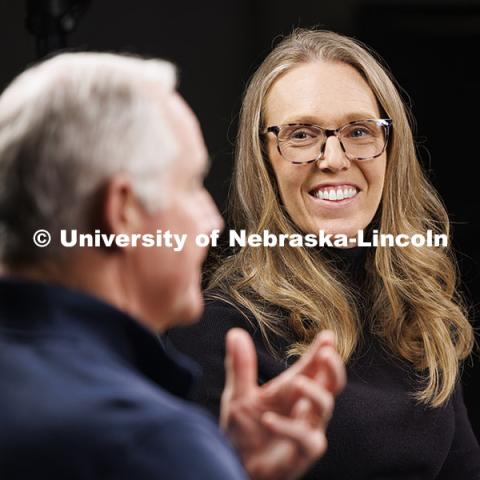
column 360, row 140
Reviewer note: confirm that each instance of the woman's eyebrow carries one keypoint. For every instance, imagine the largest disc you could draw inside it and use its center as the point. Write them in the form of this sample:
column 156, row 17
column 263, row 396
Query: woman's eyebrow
column 339, row 120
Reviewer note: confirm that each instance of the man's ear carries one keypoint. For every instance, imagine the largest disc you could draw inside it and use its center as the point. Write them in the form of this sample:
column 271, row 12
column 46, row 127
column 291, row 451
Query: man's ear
column 121, row 210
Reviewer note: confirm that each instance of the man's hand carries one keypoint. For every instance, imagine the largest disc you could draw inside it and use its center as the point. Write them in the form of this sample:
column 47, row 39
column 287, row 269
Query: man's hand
column 279, row 428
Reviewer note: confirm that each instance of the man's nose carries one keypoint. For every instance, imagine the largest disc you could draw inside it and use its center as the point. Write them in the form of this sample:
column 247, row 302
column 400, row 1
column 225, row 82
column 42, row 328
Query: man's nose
column 215, row 219
column 333, row 157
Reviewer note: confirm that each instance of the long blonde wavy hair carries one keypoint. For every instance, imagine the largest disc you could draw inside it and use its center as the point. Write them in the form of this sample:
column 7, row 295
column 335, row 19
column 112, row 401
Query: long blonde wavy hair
column 416, row 310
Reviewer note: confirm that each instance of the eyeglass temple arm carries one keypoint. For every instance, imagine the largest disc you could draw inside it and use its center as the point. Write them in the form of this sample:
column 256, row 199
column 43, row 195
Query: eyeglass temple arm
column 274, row 129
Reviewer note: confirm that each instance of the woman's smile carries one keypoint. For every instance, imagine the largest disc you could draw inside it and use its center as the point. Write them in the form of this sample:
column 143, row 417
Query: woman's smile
column 334, row 195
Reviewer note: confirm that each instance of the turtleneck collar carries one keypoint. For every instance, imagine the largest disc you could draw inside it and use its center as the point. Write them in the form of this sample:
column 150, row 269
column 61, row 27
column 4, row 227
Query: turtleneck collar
column 349, row 261
column 352, row 254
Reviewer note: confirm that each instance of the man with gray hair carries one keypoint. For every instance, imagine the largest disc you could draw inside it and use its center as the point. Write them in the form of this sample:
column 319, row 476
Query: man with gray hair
column 100, row 147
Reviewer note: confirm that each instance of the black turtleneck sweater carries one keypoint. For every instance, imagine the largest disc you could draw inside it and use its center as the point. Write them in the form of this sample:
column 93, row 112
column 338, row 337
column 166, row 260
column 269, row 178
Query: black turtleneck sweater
column 378, row 431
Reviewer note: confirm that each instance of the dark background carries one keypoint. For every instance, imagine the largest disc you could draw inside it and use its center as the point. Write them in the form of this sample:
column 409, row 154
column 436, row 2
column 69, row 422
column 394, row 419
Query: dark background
column 431, row 47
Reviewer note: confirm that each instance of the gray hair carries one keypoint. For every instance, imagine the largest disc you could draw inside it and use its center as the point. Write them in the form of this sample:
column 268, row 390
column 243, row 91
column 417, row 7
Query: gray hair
column 66, row 126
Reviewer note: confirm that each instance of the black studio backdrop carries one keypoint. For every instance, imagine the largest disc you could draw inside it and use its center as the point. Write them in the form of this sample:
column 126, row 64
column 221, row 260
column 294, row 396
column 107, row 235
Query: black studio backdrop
column 431, row 47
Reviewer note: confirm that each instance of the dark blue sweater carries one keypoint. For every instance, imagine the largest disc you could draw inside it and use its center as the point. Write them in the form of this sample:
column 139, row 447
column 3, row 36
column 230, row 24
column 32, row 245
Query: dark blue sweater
column 87, row 393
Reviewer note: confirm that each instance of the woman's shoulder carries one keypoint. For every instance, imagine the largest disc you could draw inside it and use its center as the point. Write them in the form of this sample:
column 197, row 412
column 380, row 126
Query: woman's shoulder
column 223, row 312
column 220, row 314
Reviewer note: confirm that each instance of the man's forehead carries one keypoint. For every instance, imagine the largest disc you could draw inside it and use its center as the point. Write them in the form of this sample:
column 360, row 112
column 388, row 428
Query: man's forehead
column 182, row 113
column 185, row 122
column 185, row 127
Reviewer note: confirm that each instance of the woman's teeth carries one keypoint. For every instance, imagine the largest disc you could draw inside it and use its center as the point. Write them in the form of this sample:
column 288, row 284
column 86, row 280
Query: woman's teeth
column 330, row 193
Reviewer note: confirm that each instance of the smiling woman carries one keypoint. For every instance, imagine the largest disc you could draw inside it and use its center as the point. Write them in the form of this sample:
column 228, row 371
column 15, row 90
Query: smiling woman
column 325, row 143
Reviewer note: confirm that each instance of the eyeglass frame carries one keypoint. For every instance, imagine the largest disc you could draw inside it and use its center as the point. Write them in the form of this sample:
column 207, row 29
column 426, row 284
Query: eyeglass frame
column 385, row 122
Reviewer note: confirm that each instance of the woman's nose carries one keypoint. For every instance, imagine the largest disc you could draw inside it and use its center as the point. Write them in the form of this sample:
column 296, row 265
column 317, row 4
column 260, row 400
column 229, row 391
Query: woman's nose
column 333, row 157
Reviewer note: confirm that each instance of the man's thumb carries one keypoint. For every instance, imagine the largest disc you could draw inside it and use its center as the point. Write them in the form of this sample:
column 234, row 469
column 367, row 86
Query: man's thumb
column 241, row 363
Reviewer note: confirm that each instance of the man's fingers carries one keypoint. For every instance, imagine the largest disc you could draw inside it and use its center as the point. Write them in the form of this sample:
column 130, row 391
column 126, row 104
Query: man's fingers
column 240, row 363
column 331, row 372
column 302, row 409
column 308, row 362
column 321, row 401
column 311, row 442
column 321, row 362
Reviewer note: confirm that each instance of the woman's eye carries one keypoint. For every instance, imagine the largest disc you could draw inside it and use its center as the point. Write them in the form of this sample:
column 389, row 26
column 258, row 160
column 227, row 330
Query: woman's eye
column 301, row 135
column 360, row 132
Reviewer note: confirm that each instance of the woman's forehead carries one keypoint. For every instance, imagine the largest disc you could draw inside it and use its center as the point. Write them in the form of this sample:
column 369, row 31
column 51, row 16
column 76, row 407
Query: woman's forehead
column 320, row 92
